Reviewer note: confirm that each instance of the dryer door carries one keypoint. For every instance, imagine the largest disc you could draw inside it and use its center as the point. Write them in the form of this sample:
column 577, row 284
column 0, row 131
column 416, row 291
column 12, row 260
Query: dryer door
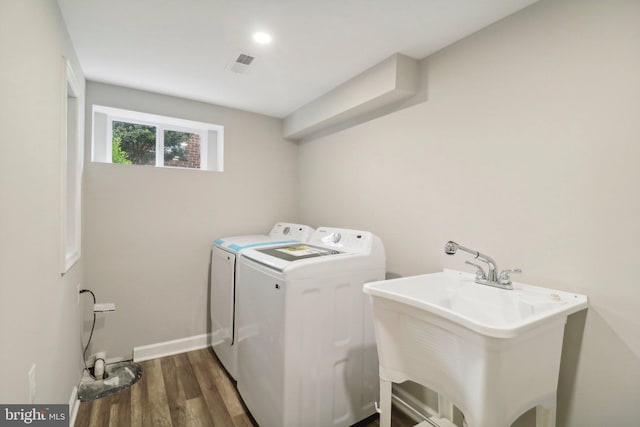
column 222, row 305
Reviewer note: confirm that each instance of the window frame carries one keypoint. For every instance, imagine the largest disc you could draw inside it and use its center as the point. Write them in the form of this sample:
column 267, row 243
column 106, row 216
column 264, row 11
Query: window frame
column 71, row 160
column 211, row 152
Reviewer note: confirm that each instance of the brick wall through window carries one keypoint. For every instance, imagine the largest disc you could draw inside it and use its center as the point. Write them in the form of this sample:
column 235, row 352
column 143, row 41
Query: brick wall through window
column 190, row 157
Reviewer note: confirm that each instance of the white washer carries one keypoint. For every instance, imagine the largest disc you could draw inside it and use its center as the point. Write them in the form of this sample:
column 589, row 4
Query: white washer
column 223, row 283
column 306, row 346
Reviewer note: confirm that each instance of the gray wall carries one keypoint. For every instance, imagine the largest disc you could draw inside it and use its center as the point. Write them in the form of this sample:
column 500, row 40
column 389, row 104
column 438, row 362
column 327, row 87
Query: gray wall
column 527, row 149
column 39, row 315
column 148, row 231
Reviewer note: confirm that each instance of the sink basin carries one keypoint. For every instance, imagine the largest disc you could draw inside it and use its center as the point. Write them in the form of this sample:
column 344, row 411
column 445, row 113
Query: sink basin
column 489, row 311
column 494, row 353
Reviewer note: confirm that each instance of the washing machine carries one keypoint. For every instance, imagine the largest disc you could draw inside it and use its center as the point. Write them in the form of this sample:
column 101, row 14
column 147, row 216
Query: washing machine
column 223, row 284
column 306, row 346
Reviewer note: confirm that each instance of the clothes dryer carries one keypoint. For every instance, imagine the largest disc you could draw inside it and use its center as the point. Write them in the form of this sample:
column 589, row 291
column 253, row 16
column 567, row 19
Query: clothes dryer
column 223, row 284
column 306, row 347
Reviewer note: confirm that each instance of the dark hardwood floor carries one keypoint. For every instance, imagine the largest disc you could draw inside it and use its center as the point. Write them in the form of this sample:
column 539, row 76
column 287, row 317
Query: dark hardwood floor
column 189, row 389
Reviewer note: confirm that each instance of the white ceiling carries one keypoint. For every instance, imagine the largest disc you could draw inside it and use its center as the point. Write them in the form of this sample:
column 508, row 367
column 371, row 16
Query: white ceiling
column 183, row 47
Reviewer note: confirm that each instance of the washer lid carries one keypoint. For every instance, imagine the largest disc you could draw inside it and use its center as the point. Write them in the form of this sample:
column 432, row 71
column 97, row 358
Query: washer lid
column 239, row 243
column 298, row 252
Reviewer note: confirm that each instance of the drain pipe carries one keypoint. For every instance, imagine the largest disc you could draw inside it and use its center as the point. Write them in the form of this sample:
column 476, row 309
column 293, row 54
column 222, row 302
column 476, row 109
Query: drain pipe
column 98, row 365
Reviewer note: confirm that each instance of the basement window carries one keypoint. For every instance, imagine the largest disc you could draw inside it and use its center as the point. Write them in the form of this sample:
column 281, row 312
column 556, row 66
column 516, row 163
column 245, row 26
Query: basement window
column 135, row 138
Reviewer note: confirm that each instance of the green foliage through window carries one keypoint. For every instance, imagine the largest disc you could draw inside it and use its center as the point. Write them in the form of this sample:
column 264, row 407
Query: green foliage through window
column 118, row 155
column 136, row 144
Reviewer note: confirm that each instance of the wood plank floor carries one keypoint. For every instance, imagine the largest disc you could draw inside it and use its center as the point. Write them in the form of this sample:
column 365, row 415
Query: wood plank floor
column 185, row 390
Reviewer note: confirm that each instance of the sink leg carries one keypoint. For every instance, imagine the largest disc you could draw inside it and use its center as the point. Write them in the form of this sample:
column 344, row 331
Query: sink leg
column 545, row 416
column 445, row 408
column 385, row 403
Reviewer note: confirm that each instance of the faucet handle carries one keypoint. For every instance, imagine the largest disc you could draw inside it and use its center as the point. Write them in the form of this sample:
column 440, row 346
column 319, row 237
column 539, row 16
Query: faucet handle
column 480, row 274
column 505, row 275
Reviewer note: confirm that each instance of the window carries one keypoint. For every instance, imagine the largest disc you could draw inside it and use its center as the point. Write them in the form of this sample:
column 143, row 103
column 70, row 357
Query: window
column 134, row 138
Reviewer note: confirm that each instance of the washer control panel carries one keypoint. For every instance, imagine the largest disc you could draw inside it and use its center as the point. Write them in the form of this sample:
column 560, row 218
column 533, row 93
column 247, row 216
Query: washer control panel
column 342, row 239
column 289, row 231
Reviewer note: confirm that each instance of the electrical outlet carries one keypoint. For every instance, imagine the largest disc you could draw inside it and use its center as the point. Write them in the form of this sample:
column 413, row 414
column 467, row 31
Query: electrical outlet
column 32, row 383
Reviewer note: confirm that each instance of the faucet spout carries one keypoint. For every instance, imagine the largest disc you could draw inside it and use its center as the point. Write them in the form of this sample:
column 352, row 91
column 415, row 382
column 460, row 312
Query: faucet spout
column 451, row 247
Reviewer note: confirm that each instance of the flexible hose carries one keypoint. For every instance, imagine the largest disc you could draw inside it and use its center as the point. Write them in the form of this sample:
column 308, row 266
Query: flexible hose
column 84, row 353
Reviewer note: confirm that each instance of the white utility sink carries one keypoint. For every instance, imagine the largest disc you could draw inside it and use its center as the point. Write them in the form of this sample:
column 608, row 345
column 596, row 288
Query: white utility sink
column 494, row 353
column 489, row 311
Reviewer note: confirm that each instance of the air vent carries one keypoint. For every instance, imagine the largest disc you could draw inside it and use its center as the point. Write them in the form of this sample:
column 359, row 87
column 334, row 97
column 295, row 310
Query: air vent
column 245, row 59
column 241, row 63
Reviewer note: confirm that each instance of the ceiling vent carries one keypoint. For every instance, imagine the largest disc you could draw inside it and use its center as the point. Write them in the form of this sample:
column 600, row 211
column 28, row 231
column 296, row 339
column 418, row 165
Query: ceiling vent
column 241, row 64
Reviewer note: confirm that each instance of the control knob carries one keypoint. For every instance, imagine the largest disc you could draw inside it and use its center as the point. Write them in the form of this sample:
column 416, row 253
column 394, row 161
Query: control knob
column 334, row 237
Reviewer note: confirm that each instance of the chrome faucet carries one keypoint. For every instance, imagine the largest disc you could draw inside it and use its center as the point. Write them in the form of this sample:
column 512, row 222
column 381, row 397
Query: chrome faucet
column 491, row 278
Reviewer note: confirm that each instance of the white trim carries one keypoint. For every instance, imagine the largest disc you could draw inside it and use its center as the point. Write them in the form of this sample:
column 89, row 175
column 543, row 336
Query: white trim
column 109, row 141
column 152, row 119
column 63, row 167
column 204, row 150
column 159, row 146
column 219, row 161
column 74, row 405
column 169, row 348
column 70, row 178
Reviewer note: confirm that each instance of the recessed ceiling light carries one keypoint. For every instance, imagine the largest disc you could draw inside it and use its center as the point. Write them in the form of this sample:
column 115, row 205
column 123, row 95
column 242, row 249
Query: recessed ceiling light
column 262, row 38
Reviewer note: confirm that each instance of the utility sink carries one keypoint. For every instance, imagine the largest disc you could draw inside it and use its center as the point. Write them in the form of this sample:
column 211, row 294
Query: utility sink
column 489, row 311
column 494, row 353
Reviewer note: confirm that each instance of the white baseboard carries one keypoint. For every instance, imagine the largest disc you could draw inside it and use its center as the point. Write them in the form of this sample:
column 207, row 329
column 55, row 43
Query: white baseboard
column 169, row 348
column 74, row 405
